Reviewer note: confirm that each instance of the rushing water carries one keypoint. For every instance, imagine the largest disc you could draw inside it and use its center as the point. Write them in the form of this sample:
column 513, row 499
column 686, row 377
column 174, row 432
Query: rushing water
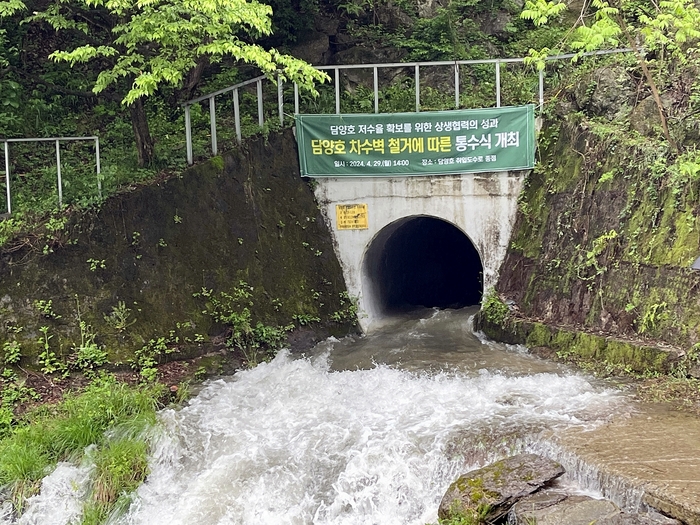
column 356, row 432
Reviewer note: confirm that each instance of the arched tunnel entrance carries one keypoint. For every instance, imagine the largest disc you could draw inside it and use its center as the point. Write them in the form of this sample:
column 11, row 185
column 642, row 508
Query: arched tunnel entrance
column 422, row 261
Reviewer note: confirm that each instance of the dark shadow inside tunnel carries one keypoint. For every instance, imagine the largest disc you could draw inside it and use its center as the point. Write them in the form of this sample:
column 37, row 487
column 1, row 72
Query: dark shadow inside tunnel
column 422, row 261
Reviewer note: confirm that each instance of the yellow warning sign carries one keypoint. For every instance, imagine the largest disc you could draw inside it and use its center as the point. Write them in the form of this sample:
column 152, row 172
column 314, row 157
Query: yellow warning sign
column 351, row 216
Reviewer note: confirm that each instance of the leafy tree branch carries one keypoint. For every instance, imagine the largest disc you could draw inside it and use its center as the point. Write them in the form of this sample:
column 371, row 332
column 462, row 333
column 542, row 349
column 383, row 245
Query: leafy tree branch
column 148, row 44
column 668, row 27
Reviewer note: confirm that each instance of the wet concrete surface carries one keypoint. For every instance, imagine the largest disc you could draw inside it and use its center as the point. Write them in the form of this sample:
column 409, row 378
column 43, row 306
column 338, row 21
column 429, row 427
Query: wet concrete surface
column 657, row 451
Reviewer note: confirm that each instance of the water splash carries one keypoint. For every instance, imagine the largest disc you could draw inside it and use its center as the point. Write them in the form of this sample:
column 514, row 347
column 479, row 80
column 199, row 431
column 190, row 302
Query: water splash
column 609, row 486
column 292, row 442
column 60, row 500
column 337, row 439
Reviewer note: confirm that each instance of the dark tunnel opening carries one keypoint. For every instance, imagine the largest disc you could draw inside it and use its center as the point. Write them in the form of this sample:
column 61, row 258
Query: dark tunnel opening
column 423, row 261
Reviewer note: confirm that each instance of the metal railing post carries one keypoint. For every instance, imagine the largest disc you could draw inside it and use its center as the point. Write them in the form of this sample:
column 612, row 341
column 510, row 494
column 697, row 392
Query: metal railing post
column 417, row 83
column 456, row 85
column 280, row 99
column 58, row 172
column 237, row 117
column 541, row 89
column 188, row 135
column 337, row 91
column 7, row 177
column 498, row 83
column 376, row 89
column 212, row 126
column 98, row 167
column 261, row 117
column 296, row 98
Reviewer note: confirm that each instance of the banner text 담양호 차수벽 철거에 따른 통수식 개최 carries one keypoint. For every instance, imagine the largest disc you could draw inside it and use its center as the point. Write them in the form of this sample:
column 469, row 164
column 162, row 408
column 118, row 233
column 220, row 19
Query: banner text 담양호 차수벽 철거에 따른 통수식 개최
column 424, row 143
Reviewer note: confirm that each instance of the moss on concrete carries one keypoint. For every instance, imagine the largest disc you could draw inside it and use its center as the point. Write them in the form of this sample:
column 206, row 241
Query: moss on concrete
column 581, row 347
column 245, row 216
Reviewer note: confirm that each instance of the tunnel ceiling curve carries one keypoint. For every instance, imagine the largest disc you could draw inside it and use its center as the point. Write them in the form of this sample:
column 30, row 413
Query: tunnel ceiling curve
column 422, row 261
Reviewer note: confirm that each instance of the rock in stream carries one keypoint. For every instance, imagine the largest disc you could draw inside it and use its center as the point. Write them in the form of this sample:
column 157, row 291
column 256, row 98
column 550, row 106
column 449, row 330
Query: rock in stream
column 494, row 489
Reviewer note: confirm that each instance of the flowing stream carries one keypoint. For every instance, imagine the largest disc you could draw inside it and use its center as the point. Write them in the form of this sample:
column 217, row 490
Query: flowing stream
column 362, row 431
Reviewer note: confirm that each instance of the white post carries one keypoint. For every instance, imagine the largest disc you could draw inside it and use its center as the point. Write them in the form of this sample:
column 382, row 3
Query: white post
column 7, row 176
column 188, row 135
column 498, row 83
column 237, row 117
column 296, row 98
column 280, row 99
column 58, row 171
column 417, row 82
column 376, row 90
column 337, row 91
column 212, row 126
column 456, row 86
column 97, row 165
column 261, row 118
column 541, row 89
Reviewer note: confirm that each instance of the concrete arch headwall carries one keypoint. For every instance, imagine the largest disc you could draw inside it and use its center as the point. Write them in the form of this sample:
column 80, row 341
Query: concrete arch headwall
column 482, row 206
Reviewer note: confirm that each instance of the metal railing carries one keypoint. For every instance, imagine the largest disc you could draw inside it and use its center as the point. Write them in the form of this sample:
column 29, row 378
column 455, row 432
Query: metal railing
column 57, row 141
column 258, row 81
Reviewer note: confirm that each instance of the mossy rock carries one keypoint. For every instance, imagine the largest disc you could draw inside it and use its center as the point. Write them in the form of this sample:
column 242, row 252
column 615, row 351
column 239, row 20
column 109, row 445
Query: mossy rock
column 491, row 491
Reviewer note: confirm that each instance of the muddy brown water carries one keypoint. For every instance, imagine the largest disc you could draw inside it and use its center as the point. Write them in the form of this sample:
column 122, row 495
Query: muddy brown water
column 367, row 430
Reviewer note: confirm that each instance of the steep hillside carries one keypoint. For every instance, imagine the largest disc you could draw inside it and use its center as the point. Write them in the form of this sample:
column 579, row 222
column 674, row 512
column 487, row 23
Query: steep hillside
column 608, row 224
column 233, row 249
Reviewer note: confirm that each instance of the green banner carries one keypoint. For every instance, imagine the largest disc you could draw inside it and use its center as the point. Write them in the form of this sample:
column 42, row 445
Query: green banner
column 424, row 143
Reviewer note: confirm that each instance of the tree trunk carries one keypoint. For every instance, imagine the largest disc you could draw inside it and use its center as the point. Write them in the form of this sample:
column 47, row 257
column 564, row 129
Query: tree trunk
column 641, row 60
column 194, row 76
column 144, row 142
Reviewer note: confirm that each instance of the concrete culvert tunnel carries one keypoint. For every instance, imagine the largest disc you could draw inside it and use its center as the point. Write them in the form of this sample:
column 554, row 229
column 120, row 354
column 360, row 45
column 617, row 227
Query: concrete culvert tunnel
column 422, row 261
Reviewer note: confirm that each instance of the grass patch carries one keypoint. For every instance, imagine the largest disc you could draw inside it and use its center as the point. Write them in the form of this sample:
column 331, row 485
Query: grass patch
column 120, row 467
column 110, row 415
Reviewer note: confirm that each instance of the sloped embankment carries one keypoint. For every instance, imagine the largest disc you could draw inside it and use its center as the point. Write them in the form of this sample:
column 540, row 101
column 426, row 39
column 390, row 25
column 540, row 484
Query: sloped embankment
column 244, row 224
column 599, row 261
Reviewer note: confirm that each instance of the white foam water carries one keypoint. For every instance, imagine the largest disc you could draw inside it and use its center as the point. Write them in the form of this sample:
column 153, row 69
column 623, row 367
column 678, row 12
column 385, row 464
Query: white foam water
column 302, row 441
column 291, row 442
column 60, row 501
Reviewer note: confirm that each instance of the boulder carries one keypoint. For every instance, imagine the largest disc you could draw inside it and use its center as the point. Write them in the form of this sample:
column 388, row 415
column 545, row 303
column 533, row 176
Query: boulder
column 646, row 518
column 428, row 8
column 393, row 17
column 553, row 508
column 314, row 48
column 327, row 25
column 607, row 91
column 645, row 118
column 352, row 78
column 495, row 23
column 492, row 490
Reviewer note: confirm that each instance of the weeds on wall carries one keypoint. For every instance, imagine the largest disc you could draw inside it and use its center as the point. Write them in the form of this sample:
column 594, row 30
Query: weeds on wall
column 256, row 340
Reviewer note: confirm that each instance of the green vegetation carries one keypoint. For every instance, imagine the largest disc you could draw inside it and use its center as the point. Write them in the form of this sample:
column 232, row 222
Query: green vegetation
column 348, row 309
column 139, row 48
column 668, row 29
column 118, row 71
column 466, row 516
column 109, row 415
column 258, row 341
column 493, row 308
column 122, row 70
column 470, row 517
